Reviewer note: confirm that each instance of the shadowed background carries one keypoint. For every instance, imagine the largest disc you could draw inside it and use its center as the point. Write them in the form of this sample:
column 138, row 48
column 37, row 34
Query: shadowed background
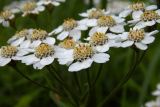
column 15, row 91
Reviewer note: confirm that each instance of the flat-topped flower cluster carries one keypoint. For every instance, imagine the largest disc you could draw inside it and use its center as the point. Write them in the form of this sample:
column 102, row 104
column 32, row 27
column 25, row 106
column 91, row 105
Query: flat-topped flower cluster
column 104, row 31
column 25, row 8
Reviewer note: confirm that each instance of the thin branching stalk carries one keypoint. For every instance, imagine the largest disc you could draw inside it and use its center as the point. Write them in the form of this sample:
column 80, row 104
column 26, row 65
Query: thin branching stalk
column 32, row 81
column 125, row 79
column 76, row 77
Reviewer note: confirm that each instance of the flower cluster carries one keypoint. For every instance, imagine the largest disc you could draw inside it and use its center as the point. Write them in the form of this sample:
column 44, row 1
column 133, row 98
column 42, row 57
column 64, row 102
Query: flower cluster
column 104, row 31
column 155, row 103
column 25, row 8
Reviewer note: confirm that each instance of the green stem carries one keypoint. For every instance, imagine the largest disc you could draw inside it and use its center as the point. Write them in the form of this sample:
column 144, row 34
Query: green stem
column 61, row 81
column 98, row 75
column 124, row 80
column 32, row 81
column 76, row 77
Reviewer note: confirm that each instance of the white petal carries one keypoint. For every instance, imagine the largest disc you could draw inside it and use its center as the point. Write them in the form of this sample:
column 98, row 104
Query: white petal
column 40, row 8
column 22, row 52
column 91, row 22
column 47, row 60
column 113, row 43
column 158, row 11
column 111, row 35
column 81, row 27
column 117, row 29
column 101, row 57
column 76, row 34
column 158, row 21
column 118, row 19
column 25, row 44
column 49, row 40
column 56, row 31
column 63, row 35
column 140, row 25
column 137, row 14
column 127, row 44
column 150, row 23
column 141, row 46
column 35, row 43
column 103, row 48
column 152, row 33
column 30, row 59
column 5, row 23
column 38, row 66
column 134, row 21
column 11, row 39
column 83, row 14
column 125, row 13
column 123, row 36
column 151, row 7
column 55, row 3
column 77, row 66
column 18, row 41
column 148, row 40
column 4, row 61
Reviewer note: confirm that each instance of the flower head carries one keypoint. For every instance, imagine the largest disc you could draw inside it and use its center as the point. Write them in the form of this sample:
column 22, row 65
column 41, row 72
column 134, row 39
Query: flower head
column 5, row 17
column 43, row 54
column 71, row 28
column 48, row 2
column 31, row 8
column 8, row 53
column 138, row 37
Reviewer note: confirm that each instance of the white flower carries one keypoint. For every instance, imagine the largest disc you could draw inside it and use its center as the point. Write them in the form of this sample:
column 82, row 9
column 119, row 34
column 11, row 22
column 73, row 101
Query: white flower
column 30, row 7
column 102, row 41
column 147, row 18
column 82, row 57
column 20, row 37
column 37, row 37
column 91, row 16
column 5, row 17
column 31, row 38
column 65, row 47
column 138, row 37
column 113, row 23
column 71, row 28
column 52, row 2
column 43, row 55
column 14, row 6
column 135, row 9
column 8, row 53
column 157, row 92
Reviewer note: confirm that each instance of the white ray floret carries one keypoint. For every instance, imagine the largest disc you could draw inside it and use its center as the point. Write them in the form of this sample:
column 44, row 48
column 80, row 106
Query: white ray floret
column 5, row 17
column 136, row 8
column 91, row 16
column 48, row 2
column 82, row 56
column 113, row 23
column 31, row 7
column 42, row 55
column 8, row 53
column 146, row 18
column 71, row 28
column 102, row 41
column 138, row 37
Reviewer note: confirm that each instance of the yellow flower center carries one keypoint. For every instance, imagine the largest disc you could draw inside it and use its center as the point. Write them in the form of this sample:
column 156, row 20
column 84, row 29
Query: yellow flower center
column 68, row 43
column 136, row 35
column 6, row 14
column 137, row 6
column 8, row 51
column 83, row 51
column 29, row 6
column 22, row 33
column 149, row 15
column 39, row 34
column 44, row 50
column 95, row 14
column 106, row 21
column 69, row 24
column 98, row 39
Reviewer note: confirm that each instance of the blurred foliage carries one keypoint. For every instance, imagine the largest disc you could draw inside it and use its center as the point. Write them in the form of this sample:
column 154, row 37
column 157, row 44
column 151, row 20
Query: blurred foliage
column 15, row 91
